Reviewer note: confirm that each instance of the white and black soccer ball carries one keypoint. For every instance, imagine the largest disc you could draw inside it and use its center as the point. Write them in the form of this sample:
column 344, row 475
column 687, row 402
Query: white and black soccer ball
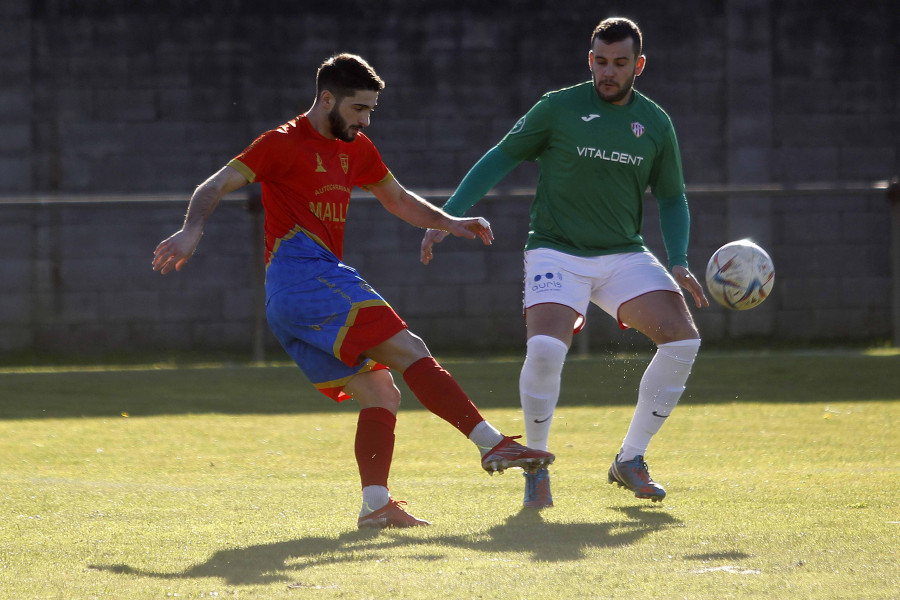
column 740, row 275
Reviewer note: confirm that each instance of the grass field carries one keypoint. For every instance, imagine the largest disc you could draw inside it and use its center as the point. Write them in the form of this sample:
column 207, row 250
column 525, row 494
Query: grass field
column 239, row 482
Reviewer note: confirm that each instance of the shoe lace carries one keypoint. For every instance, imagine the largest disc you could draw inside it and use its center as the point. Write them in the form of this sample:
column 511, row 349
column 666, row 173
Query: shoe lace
column 641, row 469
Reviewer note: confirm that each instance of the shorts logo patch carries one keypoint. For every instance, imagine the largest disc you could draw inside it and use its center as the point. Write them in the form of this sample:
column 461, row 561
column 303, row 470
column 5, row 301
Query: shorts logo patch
column 546, row 282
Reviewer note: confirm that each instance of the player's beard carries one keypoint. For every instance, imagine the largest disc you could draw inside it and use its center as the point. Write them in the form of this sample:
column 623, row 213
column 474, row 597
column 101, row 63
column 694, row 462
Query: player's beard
column 339, row 127
column 616, row 96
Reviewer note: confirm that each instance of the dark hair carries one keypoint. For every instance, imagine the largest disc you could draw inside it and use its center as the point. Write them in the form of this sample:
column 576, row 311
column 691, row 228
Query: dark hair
column 616, row 29
column 344, row 74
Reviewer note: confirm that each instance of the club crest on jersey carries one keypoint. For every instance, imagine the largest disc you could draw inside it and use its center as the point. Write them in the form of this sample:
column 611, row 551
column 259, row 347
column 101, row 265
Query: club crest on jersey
column 637, row 128
column 345, row 163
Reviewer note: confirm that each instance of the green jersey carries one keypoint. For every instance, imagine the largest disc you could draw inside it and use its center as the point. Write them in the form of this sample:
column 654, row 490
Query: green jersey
column 596, row 161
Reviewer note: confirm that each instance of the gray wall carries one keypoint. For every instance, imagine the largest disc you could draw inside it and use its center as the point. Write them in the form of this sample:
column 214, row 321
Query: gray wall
column 149, row 97
column 76, row 276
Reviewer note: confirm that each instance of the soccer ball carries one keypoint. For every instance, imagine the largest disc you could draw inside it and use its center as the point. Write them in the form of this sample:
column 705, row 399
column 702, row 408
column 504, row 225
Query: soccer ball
column 740, row 275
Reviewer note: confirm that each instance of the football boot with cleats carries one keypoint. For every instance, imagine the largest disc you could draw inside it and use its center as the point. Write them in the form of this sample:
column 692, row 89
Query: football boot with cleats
column 537, row 489
column 634, row 475
column 390, row 515
column 509, row 453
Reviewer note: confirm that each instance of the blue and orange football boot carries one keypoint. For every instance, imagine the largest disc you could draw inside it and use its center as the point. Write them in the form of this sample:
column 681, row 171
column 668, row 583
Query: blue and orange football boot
column 537, row 489
column 634, row 475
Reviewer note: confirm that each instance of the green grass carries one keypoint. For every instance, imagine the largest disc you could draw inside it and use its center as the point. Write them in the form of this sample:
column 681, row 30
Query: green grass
column 239, row 482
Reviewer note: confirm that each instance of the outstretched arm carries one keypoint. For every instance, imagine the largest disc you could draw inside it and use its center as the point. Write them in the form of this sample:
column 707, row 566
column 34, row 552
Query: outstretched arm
column 484, row 175
column 417, row 211
column 481, row 178
column 174, row 251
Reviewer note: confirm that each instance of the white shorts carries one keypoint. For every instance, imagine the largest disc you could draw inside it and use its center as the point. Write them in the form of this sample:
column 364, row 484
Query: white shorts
column 608, row 281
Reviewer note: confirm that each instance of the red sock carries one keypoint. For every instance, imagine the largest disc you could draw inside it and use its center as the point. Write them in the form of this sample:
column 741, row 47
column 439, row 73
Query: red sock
column 375, row 445
column 438, row 392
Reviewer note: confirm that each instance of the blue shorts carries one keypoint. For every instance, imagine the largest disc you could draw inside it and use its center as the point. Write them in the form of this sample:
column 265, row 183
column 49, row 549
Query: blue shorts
column 325, row 315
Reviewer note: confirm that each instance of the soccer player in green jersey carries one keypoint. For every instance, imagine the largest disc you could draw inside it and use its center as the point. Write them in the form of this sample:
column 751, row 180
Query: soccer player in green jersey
column 599, row 146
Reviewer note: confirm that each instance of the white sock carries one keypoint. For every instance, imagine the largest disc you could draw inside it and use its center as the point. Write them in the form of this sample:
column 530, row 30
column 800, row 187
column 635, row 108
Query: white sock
column 661, row 388
column 374, row 497
column 485, row 436
column 539, row 385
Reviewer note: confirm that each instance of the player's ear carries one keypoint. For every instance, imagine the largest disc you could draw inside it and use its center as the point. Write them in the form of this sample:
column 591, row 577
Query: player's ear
column 639, row 65
column 591, row 60
column 327, row 98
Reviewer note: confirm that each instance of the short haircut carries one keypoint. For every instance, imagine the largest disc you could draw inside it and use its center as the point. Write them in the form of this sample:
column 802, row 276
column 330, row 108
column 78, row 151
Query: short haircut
column 344, row 74
column 616, row 29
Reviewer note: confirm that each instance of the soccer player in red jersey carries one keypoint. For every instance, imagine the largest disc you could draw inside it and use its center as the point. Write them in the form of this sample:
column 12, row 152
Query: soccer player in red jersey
column 337, row 328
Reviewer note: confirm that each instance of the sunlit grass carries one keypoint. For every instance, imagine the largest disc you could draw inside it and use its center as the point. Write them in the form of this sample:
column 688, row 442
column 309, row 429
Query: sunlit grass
column 239, row 482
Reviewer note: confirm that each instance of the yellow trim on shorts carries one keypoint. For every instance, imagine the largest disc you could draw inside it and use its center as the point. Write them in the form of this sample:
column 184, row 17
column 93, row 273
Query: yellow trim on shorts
column 351, row 318
column 340, row 383
column 297, row 229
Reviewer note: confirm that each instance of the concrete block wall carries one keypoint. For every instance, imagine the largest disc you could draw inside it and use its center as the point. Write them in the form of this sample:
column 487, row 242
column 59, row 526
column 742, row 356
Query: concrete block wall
column 832, row 264
column 76, row 276
column 16, row 137
column 133, row 98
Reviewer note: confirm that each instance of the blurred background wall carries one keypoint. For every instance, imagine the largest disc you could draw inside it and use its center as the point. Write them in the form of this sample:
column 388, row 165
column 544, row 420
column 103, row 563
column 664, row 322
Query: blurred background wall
column 788, row 115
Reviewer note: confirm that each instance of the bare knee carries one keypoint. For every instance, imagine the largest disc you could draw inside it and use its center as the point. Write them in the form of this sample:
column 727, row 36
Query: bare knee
column 374, row 389
column 399, row 351
column 387, row 398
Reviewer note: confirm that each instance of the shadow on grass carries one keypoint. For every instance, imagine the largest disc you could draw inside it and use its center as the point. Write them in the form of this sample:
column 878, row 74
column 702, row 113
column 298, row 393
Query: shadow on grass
column 524, row 532
column 527, row 532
